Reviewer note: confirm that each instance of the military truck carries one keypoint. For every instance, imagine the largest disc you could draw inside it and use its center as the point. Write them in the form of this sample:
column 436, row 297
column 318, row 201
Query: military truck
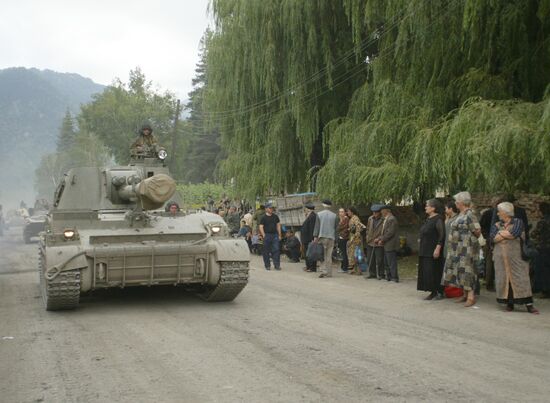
column 107, row 228
column 291, row 211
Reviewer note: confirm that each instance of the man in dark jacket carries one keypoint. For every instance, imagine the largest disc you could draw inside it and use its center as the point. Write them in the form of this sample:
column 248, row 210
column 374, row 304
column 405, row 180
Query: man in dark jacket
column 389, row 239
column 307, row 233
column 375, row 252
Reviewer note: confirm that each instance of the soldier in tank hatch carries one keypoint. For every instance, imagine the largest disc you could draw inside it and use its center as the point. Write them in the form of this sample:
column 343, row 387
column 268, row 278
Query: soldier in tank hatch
column 146, row 144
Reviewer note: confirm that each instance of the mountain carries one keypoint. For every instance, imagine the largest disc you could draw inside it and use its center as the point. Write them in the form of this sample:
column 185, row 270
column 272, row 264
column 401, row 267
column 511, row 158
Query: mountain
column 32, row 105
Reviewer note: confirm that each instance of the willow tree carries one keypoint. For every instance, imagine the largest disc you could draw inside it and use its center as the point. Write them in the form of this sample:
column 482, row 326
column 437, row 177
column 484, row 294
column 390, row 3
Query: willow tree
column 454, row 101
column 275, row 72
column 401, row 98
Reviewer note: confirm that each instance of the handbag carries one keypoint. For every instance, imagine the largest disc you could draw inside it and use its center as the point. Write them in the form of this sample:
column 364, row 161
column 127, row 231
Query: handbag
column 337, row 254
column 315, row 252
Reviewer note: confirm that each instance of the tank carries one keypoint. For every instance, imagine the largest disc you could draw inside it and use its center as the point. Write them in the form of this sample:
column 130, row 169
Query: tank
column 108, row 228
column 33, row 226
column 35, row 222
column 15, row 218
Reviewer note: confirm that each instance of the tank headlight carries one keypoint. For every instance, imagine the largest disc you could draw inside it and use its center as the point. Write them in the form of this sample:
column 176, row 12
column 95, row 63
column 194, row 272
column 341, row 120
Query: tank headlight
column 69, row 234
column 216, row 229
column 162, row 154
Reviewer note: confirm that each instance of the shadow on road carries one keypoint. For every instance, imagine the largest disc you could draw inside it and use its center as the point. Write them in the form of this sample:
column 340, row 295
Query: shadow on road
column 146, row 297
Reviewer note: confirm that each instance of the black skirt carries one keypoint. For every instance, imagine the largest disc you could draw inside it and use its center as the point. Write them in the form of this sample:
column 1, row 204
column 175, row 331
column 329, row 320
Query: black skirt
column 430, row 272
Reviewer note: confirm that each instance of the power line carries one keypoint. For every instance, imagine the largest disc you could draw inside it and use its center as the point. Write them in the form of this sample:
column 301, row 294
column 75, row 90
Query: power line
column 315, row 76
column 315, row 94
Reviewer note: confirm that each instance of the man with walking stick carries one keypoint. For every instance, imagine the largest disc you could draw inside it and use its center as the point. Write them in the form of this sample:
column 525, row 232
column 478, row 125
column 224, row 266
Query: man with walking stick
column 375, row 252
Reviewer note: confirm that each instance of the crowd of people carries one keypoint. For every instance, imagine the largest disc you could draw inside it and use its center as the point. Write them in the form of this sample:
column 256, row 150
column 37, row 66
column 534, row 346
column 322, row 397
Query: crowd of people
column 455, row 248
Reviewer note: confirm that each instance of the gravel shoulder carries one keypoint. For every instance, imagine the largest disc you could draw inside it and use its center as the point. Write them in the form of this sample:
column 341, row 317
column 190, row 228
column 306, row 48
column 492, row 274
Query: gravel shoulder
column 289, row 336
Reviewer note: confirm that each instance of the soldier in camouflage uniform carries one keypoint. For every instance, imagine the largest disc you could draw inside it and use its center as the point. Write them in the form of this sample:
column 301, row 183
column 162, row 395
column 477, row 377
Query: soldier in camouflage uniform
column 146, row 144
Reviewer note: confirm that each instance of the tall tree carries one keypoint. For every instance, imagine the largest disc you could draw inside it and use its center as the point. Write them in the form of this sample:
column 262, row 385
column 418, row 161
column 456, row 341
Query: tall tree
column 67, row 132
column 204, row 150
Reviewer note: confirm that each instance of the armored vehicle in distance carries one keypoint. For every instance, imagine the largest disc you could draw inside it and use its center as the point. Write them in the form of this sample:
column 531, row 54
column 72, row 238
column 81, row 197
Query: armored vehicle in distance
column 107, row 228
column 35, row 222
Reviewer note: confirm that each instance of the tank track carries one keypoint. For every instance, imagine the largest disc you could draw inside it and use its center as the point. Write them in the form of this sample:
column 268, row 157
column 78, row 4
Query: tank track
column 63, row 292
column 233, row 278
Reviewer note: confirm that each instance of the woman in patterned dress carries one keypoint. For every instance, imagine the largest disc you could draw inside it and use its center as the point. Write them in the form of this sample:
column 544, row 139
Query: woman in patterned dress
column 355, row 226
column 463, row 249
column 512, row 282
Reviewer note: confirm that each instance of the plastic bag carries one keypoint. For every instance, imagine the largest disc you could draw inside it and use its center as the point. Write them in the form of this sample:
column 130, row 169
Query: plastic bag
column 360, row 259
column 315, row 252
column 359, row 255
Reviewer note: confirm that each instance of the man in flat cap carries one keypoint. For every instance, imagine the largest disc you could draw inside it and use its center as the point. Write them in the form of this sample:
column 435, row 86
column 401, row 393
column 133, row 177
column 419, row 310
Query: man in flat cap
column 306, row 233
column 389, row 239
column 326, row 228
column 375, row 252
column 270, row 230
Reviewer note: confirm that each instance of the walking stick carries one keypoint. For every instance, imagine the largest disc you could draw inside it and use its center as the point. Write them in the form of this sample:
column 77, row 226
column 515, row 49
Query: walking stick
column 370, row 262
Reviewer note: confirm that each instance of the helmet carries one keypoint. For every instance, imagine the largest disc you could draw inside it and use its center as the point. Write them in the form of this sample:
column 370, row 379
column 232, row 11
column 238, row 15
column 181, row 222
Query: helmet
column 146, row 125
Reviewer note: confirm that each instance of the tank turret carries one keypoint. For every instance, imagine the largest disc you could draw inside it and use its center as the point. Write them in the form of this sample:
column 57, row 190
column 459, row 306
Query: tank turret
column 143, row 185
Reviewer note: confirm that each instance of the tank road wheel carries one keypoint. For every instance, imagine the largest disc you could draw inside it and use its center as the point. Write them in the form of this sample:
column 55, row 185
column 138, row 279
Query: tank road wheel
column 63, row 291
column 233, row 278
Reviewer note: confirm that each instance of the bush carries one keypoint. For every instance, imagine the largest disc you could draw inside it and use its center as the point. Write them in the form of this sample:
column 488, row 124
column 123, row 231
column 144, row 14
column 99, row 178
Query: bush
column 196, row 195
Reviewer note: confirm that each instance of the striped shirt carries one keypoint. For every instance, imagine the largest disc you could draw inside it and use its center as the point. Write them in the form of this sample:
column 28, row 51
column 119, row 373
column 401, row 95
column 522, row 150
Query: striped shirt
column 515, row 227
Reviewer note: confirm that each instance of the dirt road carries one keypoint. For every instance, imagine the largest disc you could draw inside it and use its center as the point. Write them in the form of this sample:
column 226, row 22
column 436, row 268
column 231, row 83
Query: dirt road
column 288, row 337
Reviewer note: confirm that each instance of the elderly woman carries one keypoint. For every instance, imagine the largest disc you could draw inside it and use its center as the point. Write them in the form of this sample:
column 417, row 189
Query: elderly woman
column 430, row 253
column 512, row 282
column 463, row 249
column 355, row 240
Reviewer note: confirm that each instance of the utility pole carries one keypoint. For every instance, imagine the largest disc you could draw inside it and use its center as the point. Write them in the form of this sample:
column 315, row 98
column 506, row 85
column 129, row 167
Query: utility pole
column 174, row 138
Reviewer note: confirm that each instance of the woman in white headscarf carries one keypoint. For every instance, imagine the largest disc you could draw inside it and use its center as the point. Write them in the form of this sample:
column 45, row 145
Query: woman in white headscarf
column 512, row 282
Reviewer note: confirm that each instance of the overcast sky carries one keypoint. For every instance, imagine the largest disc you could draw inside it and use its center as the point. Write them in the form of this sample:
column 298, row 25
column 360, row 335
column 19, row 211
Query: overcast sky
column 104, row 39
